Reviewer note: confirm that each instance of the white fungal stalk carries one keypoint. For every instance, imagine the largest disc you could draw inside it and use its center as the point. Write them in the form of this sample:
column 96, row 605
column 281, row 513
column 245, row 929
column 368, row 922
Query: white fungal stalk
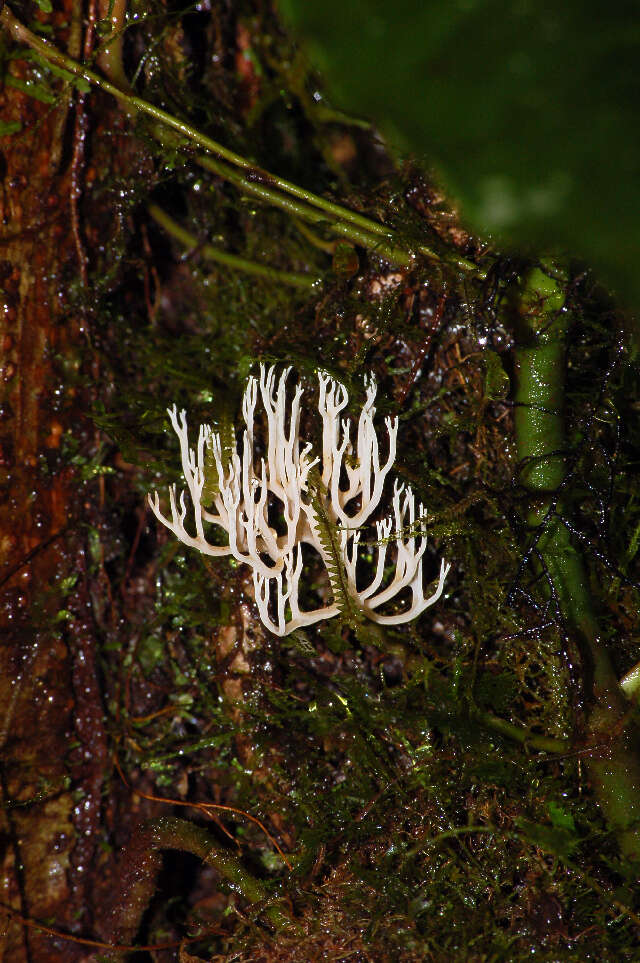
column 248, row 492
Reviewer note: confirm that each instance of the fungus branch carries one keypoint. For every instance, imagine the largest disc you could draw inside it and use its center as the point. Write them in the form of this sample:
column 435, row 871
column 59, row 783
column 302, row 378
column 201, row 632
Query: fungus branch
column 272, row 506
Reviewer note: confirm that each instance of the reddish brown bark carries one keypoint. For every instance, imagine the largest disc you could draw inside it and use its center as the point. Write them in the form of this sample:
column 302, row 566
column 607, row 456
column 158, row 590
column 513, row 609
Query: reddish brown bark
column 49, row 699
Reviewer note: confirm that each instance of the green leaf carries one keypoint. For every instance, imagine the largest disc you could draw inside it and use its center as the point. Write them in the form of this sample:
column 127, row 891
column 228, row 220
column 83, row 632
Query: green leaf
column 561, row 818
column 45, row 5
column 557, row 840
column 37, row 91
column 104, row 28
column 9, row 127
column 82, row 85
column 496, row 379
column 66, row 584
column 528, row 110
column 632, row 550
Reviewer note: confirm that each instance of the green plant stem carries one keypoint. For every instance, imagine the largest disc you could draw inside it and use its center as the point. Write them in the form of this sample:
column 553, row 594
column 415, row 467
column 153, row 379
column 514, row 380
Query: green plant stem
column 519, row 734
column 49, row 52
column 173, row 833
column 487, row 720
column 243, row 173
column 327, row 246
column 140, row 863
column 262, row 189
column 229, row 260
column 110, row 50
column 541, row 324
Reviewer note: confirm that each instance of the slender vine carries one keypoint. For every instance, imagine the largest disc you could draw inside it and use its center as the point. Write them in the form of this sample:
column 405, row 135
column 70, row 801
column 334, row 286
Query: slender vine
column 235, row 168
column 232, row 261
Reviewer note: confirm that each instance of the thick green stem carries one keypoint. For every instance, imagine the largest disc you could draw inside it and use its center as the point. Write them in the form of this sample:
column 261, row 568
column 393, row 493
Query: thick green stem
column 173, row 833
column 541, row 323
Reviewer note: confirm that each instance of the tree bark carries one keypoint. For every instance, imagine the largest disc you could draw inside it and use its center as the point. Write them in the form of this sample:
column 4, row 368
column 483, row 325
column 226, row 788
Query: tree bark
column 52, row 749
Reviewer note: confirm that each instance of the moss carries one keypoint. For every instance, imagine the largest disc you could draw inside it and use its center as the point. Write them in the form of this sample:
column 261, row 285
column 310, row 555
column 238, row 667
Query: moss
column 414, row 823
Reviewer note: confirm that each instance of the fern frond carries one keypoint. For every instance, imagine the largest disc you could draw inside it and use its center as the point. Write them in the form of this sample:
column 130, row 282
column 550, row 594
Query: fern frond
column 416, row 529
column 329, row 535
column 224, row 426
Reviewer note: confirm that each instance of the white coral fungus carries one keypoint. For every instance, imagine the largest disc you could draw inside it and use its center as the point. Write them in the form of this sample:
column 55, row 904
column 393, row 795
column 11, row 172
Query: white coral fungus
column 248, row 493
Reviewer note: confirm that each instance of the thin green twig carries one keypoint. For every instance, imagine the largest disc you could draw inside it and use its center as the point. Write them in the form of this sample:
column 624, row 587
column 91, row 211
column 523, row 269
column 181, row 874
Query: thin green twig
column 51, row 53
column 327, row 246
column 262, row 189
column 243, row 173
column 519, row 734
column 229, row 260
